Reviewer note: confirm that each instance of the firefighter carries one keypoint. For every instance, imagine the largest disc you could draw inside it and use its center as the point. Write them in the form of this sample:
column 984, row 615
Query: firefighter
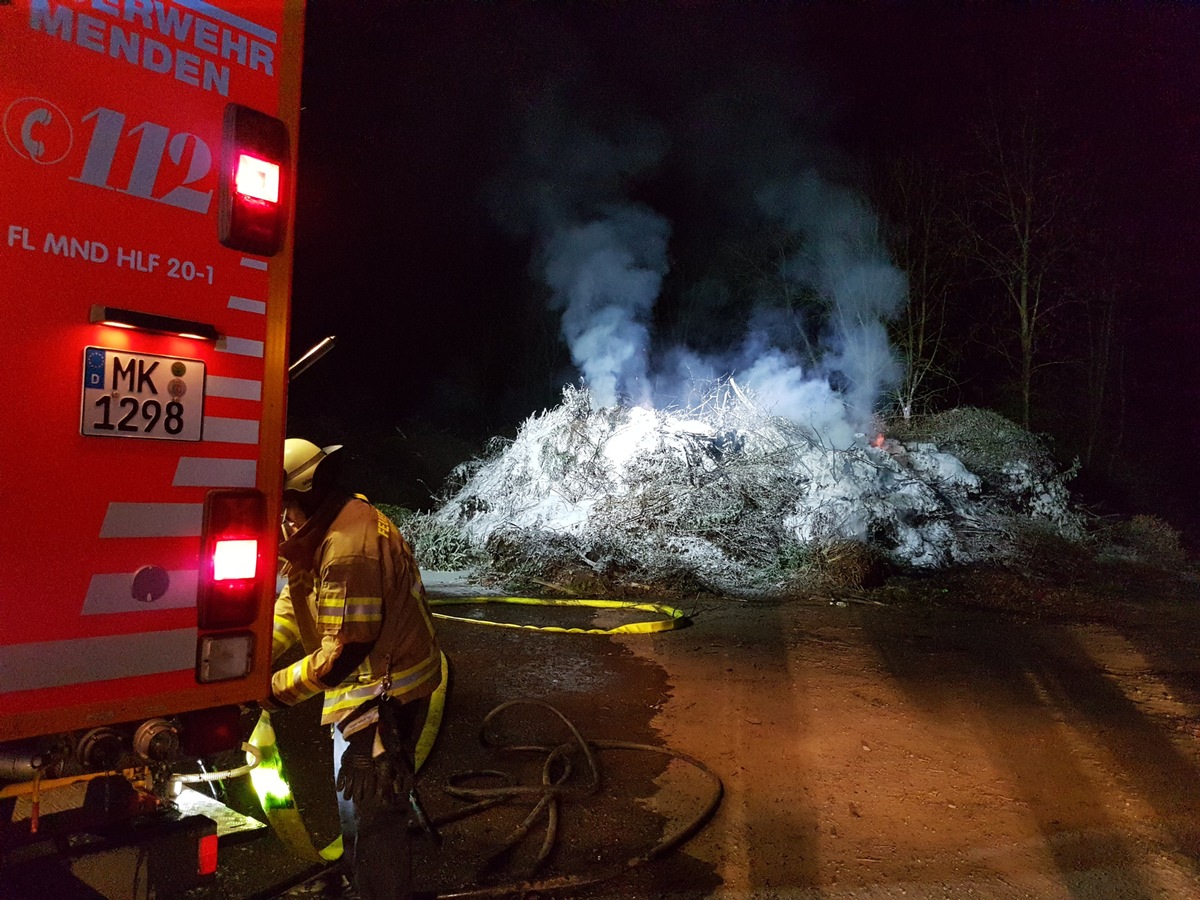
column 355, row 601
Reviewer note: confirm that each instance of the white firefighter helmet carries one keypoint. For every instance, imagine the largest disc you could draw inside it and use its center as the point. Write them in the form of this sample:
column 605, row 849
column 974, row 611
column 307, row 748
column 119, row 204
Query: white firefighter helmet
column 300, row 461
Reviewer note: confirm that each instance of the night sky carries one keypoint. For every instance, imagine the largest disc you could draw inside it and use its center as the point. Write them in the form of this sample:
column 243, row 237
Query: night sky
column 419, row 120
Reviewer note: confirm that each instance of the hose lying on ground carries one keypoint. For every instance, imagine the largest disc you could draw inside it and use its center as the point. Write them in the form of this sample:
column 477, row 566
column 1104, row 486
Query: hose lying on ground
column 556, row 770
column 673, row 617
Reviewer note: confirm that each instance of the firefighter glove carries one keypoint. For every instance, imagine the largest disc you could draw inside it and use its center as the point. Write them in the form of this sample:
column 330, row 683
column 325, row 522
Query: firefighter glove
column 363, row 778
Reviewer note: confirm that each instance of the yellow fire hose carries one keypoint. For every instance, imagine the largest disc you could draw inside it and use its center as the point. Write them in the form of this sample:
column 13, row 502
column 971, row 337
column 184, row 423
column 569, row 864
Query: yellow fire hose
column 275, row 794
column 673, row 618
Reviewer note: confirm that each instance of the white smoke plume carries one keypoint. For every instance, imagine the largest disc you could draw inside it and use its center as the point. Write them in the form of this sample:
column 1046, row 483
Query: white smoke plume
column 844, row 263
column 823, row 364
column 602, row 256
column 606, row 275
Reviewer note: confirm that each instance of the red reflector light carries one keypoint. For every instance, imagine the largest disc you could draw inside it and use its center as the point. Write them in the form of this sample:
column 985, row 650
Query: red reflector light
column 232, row 572
column 257, row 178
column 234, row 559
column 205, row 732
column 207, row 862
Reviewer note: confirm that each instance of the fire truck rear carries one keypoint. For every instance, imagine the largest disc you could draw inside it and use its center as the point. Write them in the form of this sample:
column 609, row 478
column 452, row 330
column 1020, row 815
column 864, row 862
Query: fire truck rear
column 146, row 184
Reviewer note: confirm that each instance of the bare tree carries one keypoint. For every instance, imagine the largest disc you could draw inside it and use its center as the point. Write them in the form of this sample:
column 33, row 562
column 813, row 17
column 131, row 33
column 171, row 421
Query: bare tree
column 1103, row 367
column 1020, row 227
column 914, row 194
column 761, row 281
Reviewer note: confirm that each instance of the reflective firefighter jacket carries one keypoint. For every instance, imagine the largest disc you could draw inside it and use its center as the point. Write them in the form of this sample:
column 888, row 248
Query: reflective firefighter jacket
column 352, row 579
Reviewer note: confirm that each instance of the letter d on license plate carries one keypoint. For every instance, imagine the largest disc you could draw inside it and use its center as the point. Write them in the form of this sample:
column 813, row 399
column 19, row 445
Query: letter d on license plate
column 140, row 395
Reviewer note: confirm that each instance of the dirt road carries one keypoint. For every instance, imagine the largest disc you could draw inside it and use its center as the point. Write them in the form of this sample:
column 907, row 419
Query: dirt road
column 901, row 750
column 978, row 735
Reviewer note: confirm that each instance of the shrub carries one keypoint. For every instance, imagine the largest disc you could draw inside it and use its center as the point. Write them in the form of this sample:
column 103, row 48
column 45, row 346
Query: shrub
column 850, row 565
column 437, row 545
column 985, row 441
column 1151, row 539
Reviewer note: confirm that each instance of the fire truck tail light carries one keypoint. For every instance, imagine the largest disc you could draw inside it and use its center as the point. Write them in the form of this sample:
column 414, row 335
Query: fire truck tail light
column 257, row 178
column 232, row 572
column 253, row 185
column 234, row 560
column 221, row 657
column 207, row 861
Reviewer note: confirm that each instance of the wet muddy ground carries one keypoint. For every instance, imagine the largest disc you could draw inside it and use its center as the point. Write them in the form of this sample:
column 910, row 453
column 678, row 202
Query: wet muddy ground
column 981, row 733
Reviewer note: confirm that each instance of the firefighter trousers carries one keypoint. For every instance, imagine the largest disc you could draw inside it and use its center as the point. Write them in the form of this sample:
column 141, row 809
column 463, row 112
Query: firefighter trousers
column 376, row 844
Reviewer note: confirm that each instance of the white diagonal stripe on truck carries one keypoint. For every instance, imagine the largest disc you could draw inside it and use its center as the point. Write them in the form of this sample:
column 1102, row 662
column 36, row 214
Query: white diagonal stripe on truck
column 113, row 593
column 130, row 520
column 233, row 388
column 240, row 346
column 198, row 471
column 245, row 304
column 49, row 664
column 230, row 431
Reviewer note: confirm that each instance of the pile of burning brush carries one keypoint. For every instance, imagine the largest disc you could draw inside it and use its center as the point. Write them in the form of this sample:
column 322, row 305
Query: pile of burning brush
column 724, row 496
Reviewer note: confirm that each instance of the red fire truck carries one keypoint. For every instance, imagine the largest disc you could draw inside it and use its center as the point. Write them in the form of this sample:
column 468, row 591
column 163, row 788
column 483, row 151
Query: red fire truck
column 146, row 186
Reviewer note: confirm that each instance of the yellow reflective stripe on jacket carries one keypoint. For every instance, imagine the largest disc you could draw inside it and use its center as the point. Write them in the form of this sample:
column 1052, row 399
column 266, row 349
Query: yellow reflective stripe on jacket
column 329, row 610
column 363, row 609
column 284, row 635
column 285, row 629
column 340, row 701
column 296, row 683
column 407, row 684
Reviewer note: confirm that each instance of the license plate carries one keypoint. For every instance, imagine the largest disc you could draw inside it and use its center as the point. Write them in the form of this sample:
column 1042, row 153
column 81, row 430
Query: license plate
column 140, row 395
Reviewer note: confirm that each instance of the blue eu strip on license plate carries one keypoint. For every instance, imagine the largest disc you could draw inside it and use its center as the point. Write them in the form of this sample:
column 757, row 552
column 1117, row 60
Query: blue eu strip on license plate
column 141, row 395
